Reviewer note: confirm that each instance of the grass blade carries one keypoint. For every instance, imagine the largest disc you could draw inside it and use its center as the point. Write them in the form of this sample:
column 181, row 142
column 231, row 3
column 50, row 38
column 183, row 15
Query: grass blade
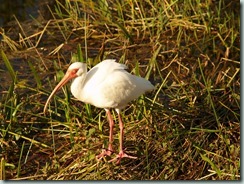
column 79, row 54
column 9, row 66
column 2, row 171
column 206, row 159
column 36, row 76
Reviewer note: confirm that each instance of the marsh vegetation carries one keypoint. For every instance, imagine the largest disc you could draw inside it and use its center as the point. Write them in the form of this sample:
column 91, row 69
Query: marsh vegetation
column 187, row 128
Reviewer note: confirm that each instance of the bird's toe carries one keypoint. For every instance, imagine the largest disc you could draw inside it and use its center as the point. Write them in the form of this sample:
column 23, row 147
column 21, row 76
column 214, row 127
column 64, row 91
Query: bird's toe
column 104, row 153
column 121, row 155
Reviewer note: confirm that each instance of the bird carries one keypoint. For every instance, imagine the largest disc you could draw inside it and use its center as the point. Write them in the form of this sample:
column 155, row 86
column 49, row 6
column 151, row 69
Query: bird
column 109, row 86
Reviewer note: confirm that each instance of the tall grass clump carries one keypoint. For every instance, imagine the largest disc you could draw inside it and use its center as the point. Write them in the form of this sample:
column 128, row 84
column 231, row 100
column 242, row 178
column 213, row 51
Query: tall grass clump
column 188, row 128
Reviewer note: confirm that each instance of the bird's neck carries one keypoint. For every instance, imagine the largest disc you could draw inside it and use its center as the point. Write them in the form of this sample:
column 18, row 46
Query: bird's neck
column 77, row 86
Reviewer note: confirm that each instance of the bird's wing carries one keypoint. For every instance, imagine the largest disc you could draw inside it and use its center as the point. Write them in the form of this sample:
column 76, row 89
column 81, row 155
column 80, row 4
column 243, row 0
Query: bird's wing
column 109, row 85
column 119, row 88
column 95, row 77
column 101, row 71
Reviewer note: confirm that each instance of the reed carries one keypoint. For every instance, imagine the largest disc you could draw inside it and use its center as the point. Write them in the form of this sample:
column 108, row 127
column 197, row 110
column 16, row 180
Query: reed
column 187, row 128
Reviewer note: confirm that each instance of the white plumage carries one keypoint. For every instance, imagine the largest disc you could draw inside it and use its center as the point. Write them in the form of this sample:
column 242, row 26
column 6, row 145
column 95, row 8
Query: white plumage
column 107, row 85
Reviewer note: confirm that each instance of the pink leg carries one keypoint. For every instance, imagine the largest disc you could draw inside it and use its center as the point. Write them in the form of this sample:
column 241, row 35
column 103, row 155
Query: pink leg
column 121, row 154
column 109, row 151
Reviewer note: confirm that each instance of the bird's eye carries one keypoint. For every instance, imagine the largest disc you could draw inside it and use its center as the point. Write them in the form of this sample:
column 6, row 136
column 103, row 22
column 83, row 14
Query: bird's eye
column 74, row 71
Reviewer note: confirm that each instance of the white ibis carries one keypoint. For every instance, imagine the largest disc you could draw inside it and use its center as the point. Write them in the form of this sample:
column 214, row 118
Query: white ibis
column 107, row 85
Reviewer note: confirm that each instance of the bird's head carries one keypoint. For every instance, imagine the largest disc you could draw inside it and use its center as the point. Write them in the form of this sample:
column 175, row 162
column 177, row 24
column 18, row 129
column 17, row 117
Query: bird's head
column 75, row 70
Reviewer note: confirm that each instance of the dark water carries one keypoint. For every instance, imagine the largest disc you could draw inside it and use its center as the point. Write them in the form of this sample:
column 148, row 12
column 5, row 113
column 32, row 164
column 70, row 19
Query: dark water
column 22, row 9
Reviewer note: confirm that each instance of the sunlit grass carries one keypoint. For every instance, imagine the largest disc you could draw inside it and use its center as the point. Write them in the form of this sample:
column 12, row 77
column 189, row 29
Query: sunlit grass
column 187, row 128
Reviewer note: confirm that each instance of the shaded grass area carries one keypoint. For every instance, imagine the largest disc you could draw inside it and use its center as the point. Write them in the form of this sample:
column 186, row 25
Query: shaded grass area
column 188, row 128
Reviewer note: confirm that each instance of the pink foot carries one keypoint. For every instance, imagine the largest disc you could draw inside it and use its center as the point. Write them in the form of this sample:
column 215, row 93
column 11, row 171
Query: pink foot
column 104, row 153
column 121, row 155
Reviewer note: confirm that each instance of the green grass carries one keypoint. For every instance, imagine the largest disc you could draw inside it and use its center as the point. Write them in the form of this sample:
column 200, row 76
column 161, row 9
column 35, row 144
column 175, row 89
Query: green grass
column 187, row 128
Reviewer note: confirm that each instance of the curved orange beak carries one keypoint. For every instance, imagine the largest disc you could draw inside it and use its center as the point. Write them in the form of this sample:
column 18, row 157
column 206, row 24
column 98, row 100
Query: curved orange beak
column 70, row 74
